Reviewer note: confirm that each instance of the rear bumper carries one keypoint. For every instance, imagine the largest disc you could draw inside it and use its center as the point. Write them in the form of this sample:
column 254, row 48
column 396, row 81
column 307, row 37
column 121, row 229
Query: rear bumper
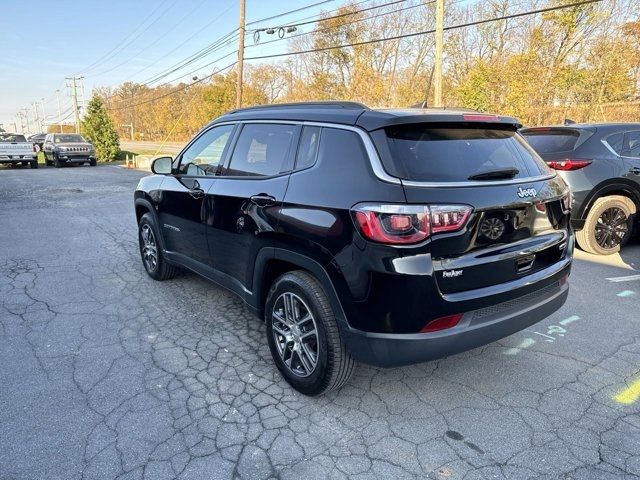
column 476, row 328
column 17, row 160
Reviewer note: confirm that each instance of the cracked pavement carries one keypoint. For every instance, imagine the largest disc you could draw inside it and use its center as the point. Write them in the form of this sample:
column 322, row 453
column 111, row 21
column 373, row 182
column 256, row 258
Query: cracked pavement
column 106, row 373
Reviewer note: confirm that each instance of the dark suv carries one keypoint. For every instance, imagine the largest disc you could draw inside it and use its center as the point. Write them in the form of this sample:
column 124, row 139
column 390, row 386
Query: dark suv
column 601, row 164
column 388, row 237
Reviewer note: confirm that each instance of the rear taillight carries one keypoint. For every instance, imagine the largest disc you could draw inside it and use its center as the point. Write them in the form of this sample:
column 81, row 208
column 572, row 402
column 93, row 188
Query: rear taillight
column 442, row 323
column 568, row 164
column 479, row 117
column 406, row 224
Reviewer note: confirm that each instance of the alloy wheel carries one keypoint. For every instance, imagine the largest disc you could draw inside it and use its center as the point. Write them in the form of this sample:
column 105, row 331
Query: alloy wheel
column 611, row 228
column 295, row 334
column 149, row 248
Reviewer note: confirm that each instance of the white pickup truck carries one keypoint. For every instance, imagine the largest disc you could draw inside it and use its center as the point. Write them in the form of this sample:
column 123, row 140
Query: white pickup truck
column 15, row 150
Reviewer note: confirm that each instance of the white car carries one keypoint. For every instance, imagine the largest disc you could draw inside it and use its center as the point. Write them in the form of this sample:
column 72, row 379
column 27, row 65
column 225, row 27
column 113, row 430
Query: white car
column 15, row 150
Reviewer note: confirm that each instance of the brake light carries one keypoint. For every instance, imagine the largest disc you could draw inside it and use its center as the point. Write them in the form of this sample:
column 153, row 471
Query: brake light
column 568, row 164
column 475, row 117
column 406, row 224
column 442, row 323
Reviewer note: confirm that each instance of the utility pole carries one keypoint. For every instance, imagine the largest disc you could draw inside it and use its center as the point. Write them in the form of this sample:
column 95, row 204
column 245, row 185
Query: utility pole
column 21, row 117
column 437, row 81
column 74, row 96
column 240, row 55
column 84, row 105
column 36, row 120
column 59, row 111
column 26, row 116
column 44, row 117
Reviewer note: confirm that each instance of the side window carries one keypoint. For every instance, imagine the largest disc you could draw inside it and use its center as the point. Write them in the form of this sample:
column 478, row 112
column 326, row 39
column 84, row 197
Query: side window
column 631, row 146
column 308, row 148
column 203, row 156
column 261, row 149
column 615, row 142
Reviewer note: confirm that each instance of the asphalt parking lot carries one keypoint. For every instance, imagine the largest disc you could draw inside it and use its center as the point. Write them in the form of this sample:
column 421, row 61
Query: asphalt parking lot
column 106, row 373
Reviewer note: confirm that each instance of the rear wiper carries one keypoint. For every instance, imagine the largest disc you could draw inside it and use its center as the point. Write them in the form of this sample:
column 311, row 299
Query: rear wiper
column 495, row 174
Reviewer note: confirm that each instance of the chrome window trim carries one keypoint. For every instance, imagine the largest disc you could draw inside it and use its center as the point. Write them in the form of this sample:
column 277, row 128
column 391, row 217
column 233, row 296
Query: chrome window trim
column 376, row 162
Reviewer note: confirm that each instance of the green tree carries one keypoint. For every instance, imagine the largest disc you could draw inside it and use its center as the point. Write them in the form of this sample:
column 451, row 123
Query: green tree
column 98, row 127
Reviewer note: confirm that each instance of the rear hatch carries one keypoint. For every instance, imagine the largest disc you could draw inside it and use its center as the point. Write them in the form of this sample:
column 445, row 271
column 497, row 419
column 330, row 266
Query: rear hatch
column 557, row 145
column 518, row 217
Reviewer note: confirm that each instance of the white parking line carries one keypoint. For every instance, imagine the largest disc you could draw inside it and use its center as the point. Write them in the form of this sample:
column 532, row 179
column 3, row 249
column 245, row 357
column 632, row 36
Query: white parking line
column 628, row 278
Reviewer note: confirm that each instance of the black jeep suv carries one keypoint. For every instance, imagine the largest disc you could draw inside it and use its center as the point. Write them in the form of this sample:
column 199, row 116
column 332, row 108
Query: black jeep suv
column 384, row 236
column 601, row 164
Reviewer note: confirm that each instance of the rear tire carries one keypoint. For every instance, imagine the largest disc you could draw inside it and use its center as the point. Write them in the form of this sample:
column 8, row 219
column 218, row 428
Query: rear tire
column 153, row 258
column 608, row 225
column 333, row 365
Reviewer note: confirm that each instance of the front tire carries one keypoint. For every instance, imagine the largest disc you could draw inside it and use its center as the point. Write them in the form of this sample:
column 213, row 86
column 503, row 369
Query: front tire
column 608, row 225
column 34, row 164
column 92, row 163
column 56, row 162
column 153, row 259
column 303, row 335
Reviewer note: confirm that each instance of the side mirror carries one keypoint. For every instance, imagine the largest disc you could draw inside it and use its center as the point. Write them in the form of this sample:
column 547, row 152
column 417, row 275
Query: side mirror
column 162, row 165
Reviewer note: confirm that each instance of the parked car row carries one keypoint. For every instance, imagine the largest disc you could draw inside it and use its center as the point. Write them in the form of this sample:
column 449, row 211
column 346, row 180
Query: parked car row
column 59, row 149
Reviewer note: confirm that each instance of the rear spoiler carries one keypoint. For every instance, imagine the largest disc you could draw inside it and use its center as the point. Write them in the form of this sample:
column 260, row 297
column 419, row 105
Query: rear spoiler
column 374, row 120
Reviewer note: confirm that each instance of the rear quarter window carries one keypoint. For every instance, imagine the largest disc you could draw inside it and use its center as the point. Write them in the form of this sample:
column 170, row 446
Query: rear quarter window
column 431, row 153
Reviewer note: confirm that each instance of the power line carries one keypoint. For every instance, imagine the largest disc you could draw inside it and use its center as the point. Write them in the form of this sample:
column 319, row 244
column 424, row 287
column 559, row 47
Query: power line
column 117, row 50
column 345, row 14
column 153, row 43
column 319, row 15
column 289, row 12
column 203, row 66
column 177, row 47
column 426, row 32
column 173, row 92
column 220, row 43
column 324, row 29
column 97, row 62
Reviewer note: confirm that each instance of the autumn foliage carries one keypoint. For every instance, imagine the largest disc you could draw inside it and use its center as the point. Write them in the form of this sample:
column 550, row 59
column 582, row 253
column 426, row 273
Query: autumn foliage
column 581, row 62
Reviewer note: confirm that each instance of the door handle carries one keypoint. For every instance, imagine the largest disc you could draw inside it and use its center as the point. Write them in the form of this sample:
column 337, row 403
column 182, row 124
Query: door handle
column 196, row 193
column 262, row 200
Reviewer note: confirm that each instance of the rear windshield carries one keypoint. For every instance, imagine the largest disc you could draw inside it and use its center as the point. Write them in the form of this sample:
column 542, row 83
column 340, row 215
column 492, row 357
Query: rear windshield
column 453, row 154
column 11, row 137
column 552, row 141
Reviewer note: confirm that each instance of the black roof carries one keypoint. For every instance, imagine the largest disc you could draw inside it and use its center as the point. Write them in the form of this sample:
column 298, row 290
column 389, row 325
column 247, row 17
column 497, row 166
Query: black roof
column 604, row 126
column 352, row 113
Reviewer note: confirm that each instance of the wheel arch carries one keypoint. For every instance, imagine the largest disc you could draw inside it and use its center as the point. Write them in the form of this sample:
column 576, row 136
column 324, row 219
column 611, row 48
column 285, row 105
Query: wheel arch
column 618, row 186
column 273, row 262
column 143, row 205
